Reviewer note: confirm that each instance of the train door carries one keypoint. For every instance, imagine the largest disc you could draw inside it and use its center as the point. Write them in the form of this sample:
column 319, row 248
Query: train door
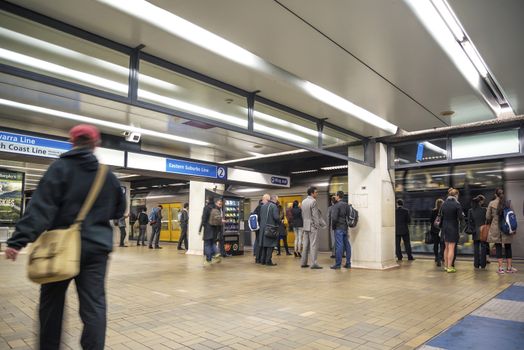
column 170, row 231
column 287, row 202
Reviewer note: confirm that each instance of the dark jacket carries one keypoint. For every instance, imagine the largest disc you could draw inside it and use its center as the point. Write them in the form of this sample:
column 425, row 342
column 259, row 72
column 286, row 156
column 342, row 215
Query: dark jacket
column 269, row 215
column 402, row 220
column 143, row 219
column 184, row 217
column 210, row 232
column 59, row 197
column 297, row 217
column 338, row 216
column 435, row 231
column 452, row 215
column 476, row 218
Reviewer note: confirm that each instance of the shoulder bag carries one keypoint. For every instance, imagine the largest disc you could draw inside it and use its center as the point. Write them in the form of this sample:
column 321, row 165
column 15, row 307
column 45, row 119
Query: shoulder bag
column 55, row 255
column 270, row 231
column 484, row 232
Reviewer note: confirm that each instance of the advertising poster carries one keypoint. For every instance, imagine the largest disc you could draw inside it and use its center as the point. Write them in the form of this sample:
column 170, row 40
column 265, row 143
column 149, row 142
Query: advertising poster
column 11, row 192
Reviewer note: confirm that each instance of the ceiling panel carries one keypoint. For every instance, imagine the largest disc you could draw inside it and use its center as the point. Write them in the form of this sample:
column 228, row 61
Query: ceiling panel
column 496, row 28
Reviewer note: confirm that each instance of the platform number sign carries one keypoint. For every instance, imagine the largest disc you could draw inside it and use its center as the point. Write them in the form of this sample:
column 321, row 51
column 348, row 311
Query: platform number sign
column 221, row 172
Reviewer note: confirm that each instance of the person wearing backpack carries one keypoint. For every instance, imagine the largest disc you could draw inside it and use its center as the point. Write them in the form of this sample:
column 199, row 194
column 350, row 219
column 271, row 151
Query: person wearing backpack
column 269, row 222
column 56, row 204
column 339, row 224
column 494, row 215
column 156, row 224
column 143, row 220
column 212, row 222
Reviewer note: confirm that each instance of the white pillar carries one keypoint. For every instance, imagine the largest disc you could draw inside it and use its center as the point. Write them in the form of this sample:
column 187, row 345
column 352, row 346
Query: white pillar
column 371, row 191
column 197, row 201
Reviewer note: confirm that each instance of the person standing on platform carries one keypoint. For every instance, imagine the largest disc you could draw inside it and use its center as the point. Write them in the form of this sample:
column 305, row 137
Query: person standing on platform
column 282, row 231
column 156, row 224
column 339, row 213
column 257, row 251
column 184, row 222
column 298, row 223
column 313, row 221
column 333, row 201
column 143, row 220
column 477, row 218
column 451, row 217
column 122, row 226
column 55, row 204
column 438, row 246
column 211, row 224
column 269, row 215
column 402, row 220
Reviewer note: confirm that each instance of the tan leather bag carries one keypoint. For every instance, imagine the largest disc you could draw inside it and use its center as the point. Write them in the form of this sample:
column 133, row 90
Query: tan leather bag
column 55, row 255
column 484, row 232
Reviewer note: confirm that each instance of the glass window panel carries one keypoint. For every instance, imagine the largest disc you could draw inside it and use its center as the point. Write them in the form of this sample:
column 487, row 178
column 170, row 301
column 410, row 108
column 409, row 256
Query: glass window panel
column 357, row 152
column 332, row 137
column 40, row 49
column 421, row 152
column 478, row 176
column 277, row 123
column 427, row 179
column 494, row 143
column 339, row 183
column 164, row 87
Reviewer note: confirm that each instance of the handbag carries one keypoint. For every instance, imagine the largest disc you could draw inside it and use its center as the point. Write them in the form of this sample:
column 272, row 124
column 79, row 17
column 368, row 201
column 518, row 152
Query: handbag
column 429, row 239
column 438, row 219
column 55, row 255
column 484, row 232
column 270, row 231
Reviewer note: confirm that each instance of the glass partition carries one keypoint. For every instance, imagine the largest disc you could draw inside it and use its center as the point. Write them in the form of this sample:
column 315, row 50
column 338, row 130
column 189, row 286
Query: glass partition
column 421, row 152
column 493, row 143
column 167, row 88
column 37, row 48
column 332, row 137
column 274, row 122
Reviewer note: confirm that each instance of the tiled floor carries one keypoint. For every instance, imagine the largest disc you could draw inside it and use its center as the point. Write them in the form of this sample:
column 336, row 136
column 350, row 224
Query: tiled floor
column 163, row 299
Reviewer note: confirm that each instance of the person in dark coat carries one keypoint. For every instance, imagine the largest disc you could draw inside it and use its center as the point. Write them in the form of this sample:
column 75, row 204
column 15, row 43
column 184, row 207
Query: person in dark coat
column 435, row 233
column 143, row 220
column 184, row 223
column 269, row 215
column 282, row 231
column 298, row 223
column 257, row 252
column 402, row 220
column 211, row 232
column 477, row 218
column 452, row 215
column 55, row 205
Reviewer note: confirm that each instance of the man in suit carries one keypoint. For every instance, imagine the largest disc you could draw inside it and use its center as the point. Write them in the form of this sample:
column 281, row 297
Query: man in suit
column 312, row 223
column 402, row 220
column 184, row 222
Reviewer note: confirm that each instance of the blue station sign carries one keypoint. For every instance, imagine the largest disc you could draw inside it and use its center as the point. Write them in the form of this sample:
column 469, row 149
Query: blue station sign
column 32, row 146
column 275, row 180
column 184, row 167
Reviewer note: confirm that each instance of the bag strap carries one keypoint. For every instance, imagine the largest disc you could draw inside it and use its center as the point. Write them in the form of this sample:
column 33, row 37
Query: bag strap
column 93, row 193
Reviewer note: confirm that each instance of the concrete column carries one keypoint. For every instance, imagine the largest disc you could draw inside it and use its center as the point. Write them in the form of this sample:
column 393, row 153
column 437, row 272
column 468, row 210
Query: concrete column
column 371, row 191
column 197, row 200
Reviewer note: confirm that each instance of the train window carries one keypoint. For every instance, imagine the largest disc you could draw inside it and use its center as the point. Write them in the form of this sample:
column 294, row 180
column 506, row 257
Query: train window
column 484, row 175
column 421, row 152
column 427, row 179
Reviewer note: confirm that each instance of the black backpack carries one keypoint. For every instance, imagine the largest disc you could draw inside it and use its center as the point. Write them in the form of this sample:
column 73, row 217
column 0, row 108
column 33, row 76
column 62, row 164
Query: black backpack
column 351, row 216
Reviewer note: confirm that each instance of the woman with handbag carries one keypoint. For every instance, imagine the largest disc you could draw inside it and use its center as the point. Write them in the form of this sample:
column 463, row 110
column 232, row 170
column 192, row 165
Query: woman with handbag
column 477, row 218
column 269, row 222
column 435, row 233
column 282, row 231
column 451, row 216
column 493, row 215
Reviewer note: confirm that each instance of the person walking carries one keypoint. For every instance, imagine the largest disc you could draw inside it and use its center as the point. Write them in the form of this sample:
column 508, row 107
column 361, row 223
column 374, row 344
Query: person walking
column 156, row 224
column 298, row 223
column 313, row 221
column 477, row 218
column 122, row 226
column 402, row 220
column 143, row 220
column 184, row 223
column 269, row 216
column 282, row 231
column 451, row 217
column 438, row 246
column 339, row 213
column 211, row 224
column 493, row 215
column 55, row 204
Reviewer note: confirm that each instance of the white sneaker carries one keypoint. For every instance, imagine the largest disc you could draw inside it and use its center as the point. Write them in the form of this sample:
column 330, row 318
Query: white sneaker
column 511, row 270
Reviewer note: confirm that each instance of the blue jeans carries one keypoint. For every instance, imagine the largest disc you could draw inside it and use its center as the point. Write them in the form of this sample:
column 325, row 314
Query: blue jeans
column 210, row 249
column 342, row 244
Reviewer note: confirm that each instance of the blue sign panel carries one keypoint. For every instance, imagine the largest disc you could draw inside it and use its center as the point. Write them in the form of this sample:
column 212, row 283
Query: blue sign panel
column 420, row 152
column 275, row 180
column 31, row 145
column 195, row 169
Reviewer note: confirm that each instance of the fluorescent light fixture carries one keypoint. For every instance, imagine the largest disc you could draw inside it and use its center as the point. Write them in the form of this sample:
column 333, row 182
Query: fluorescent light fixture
column 280, row 133
column 402, row 160
column 34, row 175
column 322, row 184
column 450, row 18
column 111, row 125
column 335, row 167
column 284, row 123
column 304, row 171
column 127, row 176
column 265, row 156
column 475, row 58
column 178, row 184
column 255, row 154
column 249, row 190
column 22, row 168
column 513, row 169
column 434, row 148
column 173, row 24
column 142, row 188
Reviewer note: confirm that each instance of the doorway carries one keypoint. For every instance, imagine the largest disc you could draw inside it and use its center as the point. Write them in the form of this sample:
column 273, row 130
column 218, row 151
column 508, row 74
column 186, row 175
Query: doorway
column 287, row 202
column 170, row 231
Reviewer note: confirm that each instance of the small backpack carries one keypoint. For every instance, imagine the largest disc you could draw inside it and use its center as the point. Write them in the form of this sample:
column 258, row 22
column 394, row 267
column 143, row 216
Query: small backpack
column 153, row 217
column 351, row 216
column 215, row 217
column 253, row 222
column 508, row 221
